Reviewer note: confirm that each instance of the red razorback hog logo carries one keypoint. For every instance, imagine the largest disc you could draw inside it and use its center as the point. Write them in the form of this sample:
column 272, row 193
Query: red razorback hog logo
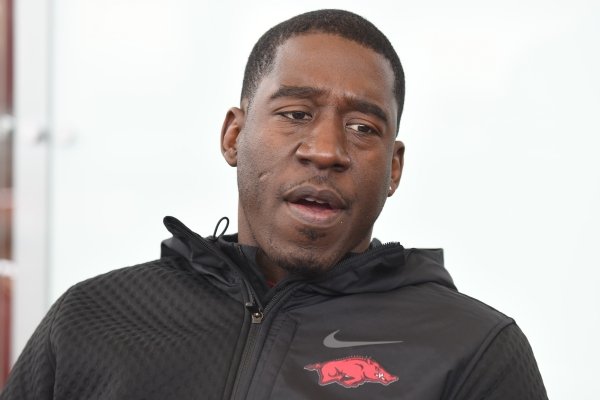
column 351, row 372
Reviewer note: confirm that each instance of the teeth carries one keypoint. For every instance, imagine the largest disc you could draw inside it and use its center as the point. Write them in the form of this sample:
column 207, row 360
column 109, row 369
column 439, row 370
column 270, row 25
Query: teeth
column 315, row 200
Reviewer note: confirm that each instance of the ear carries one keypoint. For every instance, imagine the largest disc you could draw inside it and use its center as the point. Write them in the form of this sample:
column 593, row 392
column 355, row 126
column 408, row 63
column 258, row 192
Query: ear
column 232, row 126
column 397, row 165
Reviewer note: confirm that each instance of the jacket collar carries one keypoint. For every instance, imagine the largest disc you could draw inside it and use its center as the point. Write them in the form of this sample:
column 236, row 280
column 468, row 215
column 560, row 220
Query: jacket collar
column 381, row 268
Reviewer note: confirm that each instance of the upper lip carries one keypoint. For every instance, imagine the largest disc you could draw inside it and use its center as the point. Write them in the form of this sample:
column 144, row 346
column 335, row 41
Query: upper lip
column 312, row 193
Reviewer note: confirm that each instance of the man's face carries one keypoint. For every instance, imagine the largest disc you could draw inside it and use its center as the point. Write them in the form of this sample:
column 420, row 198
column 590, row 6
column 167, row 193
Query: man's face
column 315, row 152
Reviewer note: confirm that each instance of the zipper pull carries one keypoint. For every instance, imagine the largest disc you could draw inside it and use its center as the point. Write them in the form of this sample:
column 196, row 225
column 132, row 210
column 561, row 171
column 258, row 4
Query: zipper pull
column 255, row 311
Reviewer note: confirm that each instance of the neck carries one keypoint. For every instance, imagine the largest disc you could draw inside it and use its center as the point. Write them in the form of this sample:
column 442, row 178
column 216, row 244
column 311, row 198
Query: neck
column 273, row 272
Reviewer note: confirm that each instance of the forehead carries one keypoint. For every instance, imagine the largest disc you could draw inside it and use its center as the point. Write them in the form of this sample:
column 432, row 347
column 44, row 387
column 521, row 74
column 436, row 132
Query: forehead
column 338, row 65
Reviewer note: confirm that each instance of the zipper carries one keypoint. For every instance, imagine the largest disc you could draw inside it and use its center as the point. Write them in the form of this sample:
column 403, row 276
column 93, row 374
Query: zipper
column 257, row 330
column 255, row 312
column 250, row 356
column 258, row 314
column 251, row 303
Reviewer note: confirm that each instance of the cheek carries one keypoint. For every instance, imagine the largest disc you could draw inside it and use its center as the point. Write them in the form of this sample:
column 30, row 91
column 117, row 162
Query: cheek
column 373, row 183
column 263, row 177
column 257, row 148
column 255, row 170
column 375, row 172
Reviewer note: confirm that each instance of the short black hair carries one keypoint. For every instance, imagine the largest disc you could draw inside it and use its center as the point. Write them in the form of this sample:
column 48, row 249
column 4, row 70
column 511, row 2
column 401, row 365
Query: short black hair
column 337, row 22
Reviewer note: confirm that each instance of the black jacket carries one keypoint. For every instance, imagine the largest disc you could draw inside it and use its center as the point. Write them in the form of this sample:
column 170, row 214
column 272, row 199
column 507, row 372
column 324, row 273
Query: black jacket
column 200, row 323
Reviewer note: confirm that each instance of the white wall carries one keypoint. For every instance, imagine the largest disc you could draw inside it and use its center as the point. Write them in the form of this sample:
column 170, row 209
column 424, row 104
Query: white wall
column 31, row 154
column 500, row 126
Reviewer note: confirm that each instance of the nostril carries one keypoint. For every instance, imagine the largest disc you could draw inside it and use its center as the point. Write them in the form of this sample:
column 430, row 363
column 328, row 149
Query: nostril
column 304, row 161
column 339, row 168
column 324, row 154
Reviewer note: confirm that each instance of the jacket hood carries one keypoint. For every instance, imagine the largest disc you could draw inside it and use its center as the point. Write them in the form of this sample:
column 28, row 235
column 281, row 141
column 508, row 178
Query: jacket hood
column 381, row 268
column 384, row 268
column 203, row 254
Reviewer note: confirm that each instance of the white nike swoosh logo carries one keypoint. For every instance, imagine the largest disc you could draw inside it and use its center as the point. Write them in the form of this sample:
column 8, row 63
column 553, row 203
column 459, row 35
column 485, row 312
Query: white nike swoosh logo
column 331, row 342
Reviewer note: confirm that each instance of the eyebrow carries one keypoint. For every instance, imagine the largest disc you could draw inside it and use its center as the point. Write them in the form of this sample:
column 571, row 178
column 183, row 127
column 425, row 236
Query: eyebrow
column 366, row 107
column 306, row 92
column 301, row 92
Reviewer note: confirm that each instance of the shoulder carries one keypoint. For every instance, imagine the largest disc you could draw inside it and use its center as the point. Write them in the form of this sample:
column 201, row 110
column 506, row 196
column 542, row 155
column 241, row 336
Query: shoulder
column 433, row 289
column 146, row 298
column 504, row 369
column 163, row 272
column 448, row 316
column 152, row 287
column 456, row 302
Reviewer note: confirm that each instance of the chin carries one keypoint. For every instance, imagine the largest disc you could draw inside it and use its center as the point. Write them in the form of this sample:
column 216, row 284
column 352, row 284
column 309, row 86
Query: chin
column 308, row 264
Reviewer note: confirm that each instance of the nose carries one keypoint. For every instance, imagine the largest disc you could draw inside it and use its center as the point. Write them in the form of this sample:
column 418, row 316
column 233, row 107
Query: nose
column 324, row 145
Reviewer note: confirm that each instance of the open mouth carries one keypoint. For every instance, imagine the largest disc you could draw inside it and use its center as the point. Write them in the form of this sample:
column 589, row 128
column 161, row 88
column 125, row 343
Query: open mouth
column 315, row 206
column 314, row 203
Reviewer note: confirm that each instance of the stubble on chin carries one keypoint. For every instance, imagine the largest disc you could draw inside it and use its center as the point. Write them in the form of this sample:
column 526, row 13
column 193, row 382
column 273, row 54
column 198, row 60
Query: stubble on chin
column 306, row 263
column 311, row 234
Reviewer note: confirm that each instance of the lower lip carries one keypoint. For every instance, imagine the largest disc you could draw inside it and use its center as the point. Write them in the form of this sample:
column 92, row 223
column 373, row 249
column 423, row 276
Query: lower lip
column 314, row 215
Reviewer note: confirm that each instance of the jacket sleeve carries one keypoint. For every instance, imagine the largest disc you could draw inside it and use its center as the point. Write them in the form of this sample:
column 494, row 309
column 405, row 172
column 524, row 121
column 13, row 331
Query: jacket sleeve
column 32, row 376
column 506, row 370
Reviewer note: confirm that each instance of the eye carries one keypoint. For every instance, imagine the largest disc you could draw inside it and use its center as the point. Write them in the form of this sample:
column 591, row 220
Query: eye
column 363, row 129
column 296, row 115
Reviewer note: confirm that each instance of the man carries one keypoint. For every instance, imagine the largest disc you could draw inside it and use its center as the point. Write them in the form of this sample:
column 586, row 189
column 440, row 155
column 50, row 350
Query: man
column 301, row 303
